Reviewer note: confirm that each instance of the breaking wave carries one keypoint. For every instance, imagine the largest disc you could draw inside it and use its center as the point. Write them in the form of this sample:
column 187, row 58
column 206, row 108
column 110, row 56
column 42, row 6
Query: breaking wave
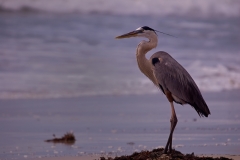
column 217, row 8
column 209, row 79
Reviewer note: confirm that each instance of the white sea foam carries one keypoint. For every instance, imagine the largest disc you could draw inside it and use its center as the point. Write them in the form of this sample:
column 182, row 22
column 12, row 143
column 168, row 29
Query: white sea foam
column 208, row 78
column 215, row 78
column 184, row 7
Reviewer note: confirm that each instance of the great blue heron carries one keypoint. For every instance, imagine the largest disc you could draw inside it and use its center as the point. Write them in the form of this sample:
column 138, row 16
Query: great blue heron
column 167, row 74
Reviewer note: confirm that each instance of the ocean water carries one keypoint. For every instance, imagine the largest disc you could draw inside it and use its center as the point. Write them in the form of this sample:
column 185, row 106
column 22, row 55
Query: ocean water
column 51, row 49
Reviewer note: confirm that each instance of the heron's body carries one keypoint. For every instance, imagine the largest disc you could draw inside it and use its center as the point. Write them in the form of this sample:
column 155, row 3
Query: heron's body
column 178, row 82
column 167, row 74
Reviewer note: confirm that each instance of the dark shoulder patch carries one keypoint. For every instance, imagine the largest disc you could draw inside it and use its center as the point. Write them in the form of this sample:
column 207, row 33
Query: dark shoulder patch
column 155, row 60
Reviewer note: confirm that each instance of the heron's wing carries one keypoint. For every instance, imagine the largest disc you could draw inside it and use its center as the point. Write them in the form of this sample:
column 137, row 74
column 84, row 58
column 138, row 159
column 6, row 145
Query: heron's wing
column 172, row 77
column 173, row 80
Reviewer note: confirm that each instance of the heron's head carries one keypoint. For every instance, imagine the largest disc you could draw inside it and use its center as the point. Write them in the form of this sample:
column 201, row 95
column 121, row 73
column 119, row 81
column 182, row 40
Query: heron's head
column 139, row 32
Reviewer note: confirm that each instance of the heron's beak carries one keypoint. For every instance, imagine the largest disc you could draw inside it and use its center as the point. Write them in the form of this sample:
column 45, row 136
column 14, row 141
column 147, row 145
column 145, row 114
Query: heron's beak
column 130, row 34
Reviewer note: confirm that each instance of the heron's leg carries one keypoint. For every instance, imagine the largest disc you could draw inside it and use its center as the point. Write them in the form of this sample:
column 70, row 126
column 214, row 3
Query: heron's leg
column 173, row 121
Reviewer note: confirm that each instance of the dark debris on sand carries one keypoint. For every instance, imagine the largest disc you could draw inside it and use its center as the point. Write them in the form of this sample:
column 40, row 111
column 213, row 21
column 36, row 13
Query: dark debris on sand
column 68, row 138
column 157, row 154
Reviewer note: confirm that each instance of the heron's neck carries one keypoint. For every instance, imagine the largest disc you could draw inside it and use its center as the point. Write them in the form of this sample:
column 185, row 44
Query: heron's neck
column 143, row 63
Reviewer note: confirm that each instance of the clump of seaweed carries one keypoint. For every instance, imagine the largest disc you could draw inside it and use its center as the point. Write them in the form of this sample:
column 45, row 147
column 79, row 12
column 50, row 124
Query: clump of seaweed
column 157, row 154
column 68, row 138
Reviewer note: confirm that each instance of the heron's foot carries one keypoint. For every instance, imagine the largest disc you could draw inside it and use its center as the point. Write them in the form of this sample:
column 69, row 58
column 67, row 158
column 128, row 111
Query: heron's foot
column 167, row 150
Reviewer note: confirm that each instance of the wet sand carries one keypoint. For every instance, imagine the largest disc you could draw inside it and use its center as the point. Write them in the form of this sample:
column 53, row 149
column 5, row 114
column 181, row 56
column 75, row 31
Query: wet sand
column 71, row 158
column 116, row 125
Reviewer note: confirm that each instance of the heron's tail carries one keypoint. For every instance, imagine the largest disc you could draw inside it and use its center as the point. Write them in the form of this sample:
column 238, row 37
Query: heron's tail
column 201, row 107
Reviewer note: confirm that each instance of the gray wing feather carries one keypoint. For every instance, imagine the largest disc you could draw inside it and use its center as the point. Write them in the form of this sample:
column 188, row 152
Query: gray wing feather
column 172, row 77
